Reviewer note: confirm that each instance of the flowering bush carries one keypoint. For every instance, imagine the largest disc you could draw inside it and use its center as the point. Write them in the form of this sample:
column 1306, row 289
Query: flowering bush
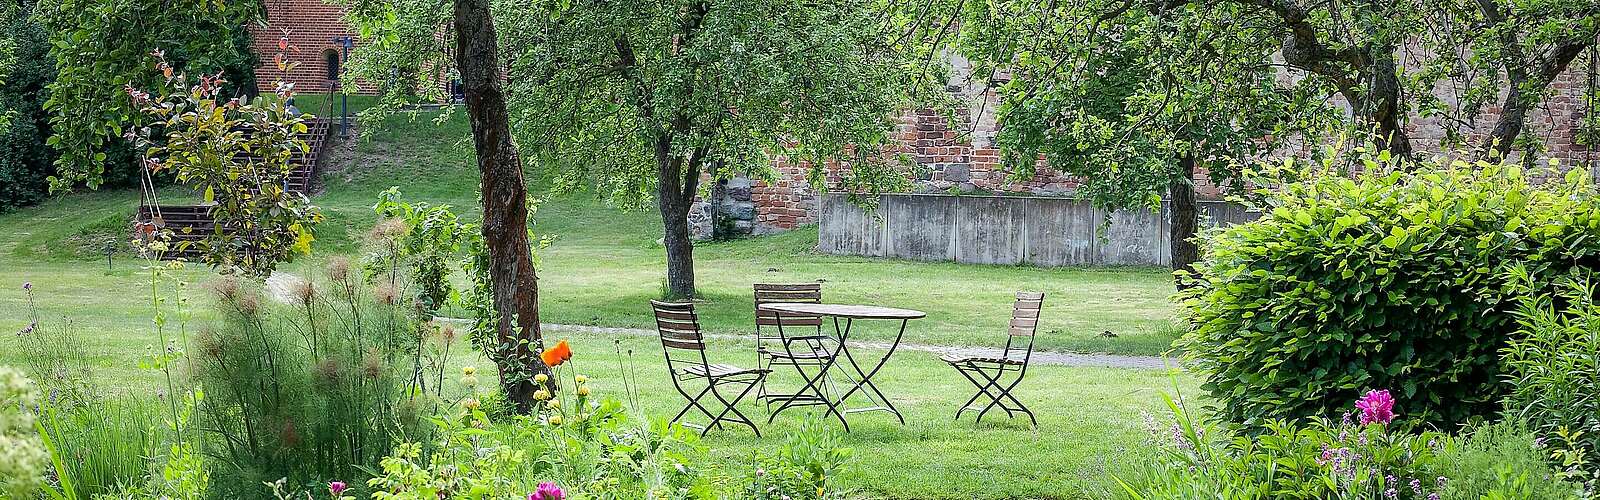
column 1353, row 458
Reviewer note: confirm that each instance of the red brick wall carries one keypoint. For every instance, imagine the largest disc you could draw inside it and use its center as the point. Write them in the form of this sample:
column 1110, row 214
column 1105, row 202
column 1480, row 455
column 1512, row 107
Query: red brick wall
column 310, row 26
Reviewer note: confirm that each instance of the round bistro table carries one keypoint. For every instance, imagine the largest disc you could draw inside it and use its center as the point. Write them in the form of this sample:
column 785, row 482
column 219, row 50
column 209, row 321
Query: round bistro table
column 849, row 313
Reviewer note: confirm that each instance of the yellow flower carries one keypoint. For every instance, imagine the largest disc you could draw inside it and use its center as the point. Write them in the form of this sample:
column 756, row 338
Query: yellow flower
column 468, row 370
column 541, row 378
column 472, row 403
column 469, row 381
column 541, row 394
column 553, row 404
column 583, row 391
column 555, row 420
column 581, row 379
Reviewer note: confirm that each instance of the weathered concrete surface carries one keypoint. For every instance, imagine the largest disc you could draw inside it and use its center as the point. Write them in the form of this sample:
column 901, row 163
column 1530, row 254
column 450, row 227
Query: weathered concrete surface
column 1005, row 230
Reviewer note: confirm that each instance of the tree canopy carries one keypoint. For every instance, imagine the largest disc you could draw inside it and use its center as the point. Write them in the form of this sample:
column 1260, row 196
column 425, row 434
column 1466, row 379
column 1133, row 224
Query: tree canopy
column 102, row 46
column 638, row 100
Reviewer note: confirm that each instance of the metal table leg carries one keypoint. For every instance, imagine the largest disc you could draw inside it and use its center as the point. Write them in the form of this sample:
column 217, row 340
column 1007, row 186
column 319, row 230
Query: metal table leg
column 865, row 384
column 813, row 384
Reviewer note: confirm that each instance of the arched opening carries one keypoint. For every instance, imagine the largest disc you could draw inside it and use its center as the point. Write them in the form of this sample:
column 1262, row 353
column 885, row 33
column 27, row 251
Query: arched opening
column 331, row 59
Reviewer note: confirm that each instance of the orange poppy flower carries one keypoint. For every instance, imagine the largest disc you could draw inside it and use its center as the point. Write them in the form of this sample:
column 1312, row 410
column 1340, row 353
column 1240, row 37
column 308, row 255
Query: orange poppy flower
column 554, row 356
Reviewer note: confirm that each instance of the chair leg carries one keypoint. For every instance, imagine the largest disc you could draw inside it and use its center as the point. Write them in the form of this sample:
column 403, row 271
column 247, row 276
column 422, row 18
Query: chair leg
column 733, row 406
column 997, row 393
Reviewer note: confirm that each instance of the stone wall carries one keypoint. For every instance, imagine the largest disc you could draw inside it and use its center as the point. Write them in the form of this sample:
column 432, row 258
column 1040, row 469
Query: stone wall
column 1005, row 230
column 964, row 158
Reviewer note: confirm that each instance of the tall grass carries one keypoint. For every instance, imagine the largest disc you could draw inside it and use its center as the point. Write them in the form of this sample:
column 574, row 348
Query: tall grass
column 105, row 447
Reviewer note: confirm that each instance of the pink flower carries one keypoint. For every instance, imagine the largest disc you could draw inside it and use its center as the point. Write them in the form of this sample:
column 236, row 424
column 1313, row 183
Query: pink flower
column 547, row 491
column 336, row 487
column 1376, row 407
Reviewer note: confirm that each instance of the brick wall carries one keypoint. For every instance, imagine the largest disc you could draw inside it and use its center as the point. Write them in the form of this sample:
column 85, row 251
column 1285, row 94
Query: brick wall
column 310, row 26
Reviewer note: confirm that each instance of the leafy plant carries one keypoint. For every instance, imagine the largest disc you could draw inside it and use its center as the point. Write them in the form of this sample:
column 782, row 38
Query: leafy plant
column 1503, row 460
column 1387, row 279
column 1553, row 367
column 805, row 467
column 237, row 155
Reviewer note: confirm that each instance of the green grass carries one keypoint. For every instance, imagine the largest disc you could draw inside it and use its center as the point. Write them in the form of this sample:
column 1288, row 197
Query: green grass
column 605, row 265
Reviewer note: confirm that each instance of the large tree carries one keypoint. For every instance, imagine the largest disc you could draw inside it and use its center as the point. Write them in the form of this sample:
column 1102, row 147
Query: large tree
column 643, row 99
column 1135, row 95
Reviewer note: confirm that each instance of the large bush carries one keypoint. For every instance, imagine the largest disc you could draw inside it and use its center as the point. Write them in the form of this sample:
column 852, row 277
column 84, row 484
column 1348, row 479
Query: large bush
column 1386, row 279
column 25, row 160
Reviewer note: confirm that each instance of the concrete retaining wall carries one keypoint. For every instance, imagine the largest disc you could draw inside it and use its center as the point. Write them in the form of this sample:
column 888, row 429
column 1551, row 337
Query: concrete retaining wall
column 1005, row 230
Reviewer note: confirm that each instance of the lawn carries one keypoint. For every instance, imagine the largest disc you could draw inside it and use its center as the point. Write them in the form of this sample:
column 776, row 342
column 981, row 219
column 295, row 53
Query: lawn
column 604, row 266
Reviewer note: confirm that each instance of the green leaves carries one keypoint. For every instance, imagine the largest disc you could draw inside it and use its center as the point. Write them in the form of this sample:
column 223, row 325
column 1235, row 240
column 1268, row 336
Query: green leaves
column 1385, row 281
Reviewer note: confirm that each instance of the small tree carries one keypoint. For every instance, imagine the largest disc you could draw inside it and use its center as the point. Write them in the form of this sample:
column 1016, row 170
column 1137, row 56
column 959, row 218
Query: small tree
column 237, row 155
column 643, row 99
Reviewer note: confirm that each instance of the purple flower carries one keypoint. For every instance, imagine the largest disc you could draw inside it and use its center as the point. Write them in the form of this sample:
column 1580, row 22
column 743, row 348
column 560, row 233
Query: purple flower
column 336, row 487
column 1433, row 496
column 1441, row 480
column 547, row 491
column 1416, row 486
column 27, row 285
column 1391, row 494
column 1377, row 407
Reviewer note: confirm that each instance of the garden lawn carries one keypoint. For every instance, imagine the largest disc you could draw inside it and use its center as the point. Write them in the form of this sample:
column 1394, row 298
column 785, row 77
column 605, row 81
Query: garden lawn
column 603, row 267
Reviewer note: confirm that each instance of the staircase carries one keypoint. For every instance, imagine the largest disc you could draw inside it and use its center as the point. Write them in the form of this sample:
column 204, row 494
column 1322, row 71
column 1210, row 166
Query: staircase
column 190, row 223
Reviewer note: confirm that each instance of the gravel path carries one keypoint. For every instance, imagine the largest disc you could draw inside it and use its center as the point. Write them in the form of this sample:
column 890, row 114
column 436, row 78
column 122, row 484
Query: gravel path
column 1053, row 358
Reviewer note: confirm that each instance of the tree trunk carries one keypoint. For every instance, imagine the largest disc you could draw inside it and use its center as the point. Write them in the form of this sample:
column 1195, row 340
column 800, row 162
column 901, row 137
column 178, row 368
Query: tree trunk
column 505, row 206
column 1514, row 109
column 680, row 248
column 1384, row 105
column 1185, row 219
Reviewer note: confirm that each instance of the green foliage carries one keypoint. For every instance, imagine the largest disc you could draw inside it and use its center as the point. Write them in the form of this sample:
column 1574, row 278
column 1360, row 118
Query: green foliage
column 317, row 388
column 1385, row 280
column 22, row 454
column 238, row 155
column 1498, row 461
column 25, row 160
column 1554, row 372
column 586, row 447
column 430, row 239
column 803, row 468
column 106, row 443
column 102, row 46
column 1134, row 87
column 1321, row 459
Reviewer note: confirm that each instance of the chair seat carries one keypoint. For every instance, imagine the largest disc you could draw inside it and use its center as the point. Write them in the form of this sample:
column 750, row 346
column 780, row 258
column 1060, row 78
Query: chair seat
column 717, row 371
column 961, row 360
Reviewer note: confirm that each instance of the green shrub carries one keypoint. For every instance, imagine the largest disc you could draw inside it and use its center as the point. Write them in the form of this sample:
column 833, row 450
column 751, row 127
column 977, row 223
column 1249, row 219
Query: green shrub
column 22, row 454
column 1554, row 370
column 1387, row 279
column 106, row 444
column 25, row 160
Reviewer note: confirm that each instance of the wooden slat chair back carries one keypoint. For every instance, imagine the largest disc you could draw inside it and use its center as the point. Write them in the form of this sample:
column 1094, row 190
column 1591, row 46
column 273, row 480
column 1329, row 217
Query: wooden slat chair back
column 685, row 348
column 681, row 338
column 1024, row 324
column 767, row 322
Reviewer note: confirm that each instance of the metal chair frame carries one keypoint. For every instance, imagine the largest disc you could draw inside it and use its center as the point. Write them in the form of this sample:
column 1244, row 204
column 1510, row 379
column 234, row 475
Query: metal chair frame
column 679, row 328
column 993, row 376
column 772, row 328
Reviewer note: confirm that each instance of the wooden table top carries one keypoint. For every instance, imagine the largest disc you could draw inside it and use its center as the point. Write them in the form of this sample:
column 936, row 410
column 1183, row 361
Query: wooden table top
column 843, row 310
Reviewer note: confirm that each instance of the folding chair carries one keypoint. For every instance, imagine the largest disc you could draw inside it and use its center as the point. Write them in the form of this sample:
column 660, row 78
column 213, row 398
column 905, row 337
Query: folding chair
column 996, row 377
column 789, row 339
column 685, row 349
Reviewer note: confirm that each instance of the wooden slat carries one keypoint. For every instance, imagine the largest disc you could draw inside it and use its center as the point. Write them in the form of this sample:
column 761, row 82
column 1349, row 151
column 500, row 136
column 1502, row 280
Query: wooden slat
column 788, row 287
column 683, row 344
column 788, row 321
